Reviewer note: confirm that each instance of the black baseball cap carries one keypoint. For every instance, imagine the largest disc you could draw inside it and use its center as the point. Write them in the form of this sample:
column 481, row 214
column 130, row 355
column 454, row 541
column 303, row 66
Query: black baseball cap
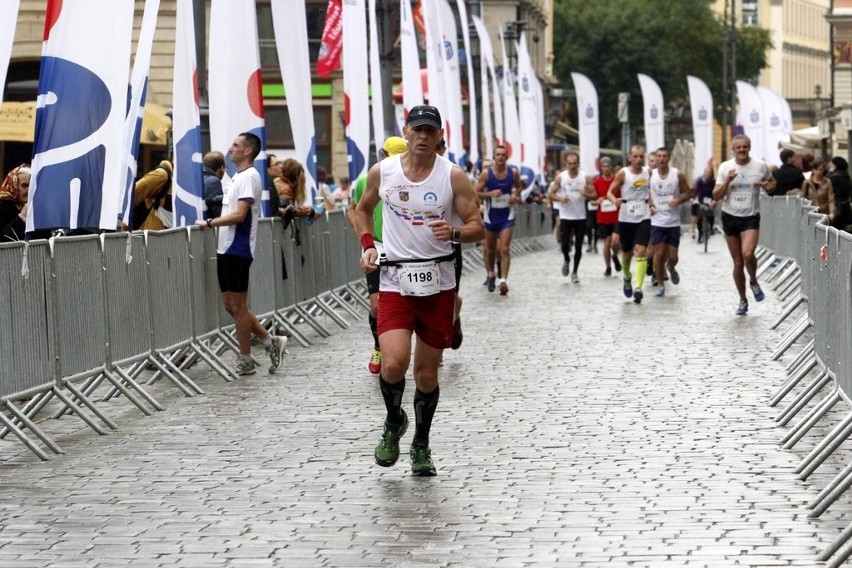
column 424, row 115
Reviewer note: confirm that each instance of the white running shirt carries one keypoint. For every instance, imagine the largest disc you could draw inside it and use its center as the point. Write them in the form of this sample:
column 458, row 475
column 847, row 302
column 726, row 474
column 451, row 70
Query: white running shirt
column 663, row 190
column 743, row 197
column 575, row 209
column 634, row 196
column 239, row 240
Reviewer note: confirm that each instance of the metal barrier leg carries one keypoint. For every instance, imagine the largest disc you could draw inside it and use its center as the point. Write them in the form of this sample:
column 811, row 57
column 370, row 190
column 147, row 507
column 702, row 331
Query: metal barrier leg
column 784, row 278
column 831, row 492
column 793, row 334
column 845, row 552
column 328, row 309
column 213, row 361
column 782, row 265
column 803, row 398
column 825, row 448
column 788, row 310
column 79, row 411
column 25, row 420
column 283, row 322
column 163, row 369
column 309, row 319
column 804, row 426
column 794, row 286
column 806, row 354
column 764, row 263
column 129, row 394
column 127, row 378
column 791, row 383
column 23, row 437
column 31, row 408
column 80, row 397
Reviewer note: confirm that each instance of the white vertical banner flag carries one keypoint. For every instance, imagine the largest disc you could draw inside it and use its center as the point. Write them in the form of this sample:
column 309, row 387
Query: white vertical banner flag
column 376, row 90
column 486, row 64
column 542, row 138
column 8, row 21
column 701, row 104
column 78, row 154
column 486, row 50
column 355, row 87
column 435, row 61
column 528, row 114
column 473, row 113
column 773, row 110
column 652, row 101
column 136, row 108
column 188, row 178
column 412, row 88
column 511, row 123
column 454, row 119
column 750, row 115
column 235, row 84
column 588, row 121
column 291, row 42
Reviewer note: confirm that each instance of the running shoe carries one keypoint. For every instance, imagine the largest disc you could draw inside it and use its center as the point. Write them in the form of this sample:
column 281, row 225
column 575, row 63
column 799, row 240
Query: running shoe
column 504, row 288
column 616, row 262
column 661, row 291
column 490, row 282
column 574, row 278
column 421, row 460
column 758, row 293
column 743, row 308
column 244, row 368
column 608, row 271
column 674, row 275
column 565, row 268
column 637, row 296
column 457, row 334
column 375, row 364
column 628, row 287
column 276, row 352
column 387, row 452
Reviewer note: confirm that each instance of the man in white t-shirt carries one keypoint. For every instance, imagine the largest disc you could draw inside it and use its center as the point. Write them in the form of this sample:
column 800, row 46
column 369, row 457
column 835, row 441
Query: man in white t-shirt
column 738, row 186
column 570, row 192
column 235, row 253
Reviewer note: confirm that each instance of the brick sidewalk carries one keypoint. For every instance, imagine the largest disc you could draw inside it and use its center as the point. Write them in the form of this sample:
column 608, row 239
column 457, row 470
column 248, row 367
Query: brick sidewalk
column 574, row 427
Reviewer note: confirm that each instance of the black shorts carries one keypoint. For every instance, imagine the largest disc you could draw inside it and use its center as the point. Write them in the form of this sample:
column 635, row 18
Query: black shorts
column 233, row 272
column 694, row 208
column 633, row 234
column 606, row 229
column 733, row 225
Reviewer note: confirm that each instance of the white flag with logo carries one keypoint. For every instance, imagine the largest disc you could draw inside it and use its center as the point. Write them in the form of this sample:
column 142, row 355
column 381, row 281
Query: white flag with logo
column 355, row 86
column 291, row 42
column 412, row 88
column 235, row 93
column 511, row 123
column 588, row 121
column 486, row 51
column 652, row 101
column 701, row 103
column 528, row 114
column 750, row 115
column 774, row 111
column 473, row 138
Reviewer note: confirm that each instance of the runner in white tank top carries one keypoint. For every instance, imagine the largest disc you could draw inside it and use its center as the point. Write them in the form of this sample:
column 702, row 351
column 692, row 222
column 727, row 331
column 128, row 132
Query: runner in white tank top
column 427, row 202
column 669, row 190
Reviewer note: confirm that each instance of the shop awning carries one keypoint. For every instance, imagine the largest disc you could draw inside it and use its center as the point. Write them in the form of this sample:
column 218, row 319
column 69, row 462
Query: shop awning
column 17, row 123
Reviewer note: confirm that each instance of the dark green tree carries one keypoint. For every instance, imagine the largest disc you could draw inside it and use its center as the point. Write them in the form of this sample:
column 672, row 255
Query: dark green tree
column 612, row 41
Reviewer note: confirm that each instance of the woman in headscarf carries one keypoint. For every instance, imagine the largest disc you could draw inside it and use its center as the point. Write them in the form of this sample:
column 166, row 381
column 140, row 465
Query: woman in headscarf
column 14, row 193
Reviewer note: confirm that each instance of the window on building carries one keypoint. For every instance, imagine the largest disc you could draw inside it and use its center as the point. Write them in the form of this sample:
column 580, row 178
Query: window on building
column 315, row 15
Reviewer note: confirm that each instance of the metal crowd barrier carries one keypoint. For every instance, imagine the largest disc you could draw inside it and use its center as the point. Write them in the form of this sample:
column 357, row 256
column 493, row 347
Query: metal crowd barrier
column 810, row 264
column 89, row 317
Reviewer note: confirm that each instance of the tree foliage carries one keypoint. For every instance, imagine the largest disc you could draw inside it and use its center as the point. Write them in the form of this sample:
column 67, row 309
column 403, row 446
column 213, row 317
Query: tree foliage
column 610, row 42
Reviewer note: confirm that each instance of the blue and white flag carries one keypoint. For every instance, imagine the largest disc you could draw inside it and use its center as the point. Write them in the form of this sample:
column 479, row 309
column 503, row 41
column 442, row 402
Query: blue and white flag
column 291, row 42
column 511, row 122
column 528, row 114
column 376, row 91
column 355, row 87
column 654, row 115
column 187, row 181
column 452, row 110
column 751, row 117
column 775, row 126
column 701, row 104
column 8, row 19
column 235, row 86
column 435, row 60
column 136, row 108
column 487, row 55
column 588, row 121
column 78, row 154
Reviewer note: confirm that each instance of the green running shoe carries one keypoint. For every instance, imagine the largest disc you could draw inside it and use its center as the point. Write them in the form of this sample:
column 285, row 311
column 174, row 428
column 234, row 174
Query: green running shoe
column 421, row 460
column 387, row 452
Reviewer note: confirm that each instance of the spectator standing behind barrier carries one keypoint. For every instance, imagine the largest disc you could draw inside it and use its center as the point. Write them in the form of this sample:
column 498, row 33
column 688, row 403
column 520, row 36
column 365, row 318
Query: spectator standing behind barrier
column 152, row 200
column 842, row 186
column 423, row 194
column 393, row 146
column 788, row 176
column 213, row 171
column 738, row 186
column 294, row 191
column 343, row 194
column 14, row 196
column 240, row 212
column 818, row 189
column 14, row 193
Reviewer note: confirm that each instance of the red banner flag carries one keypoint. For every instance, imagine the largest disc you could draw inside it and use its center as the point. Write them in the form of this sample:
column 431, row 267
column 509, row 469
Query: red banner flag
column 332, row 39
